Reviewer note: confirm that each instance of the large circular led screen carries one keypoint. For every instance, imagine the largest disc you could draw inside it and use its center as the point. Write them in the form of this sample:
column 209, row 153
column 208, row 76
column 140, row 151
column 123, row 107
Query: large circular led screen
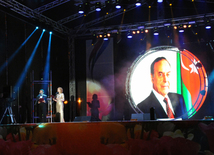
column 165, row 71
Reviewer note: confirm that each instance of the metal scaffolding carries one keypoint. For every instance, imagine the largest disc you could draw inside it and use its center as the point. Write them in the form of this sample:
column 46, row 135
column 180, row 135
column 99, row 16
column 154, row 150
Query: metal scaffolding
column 29, row 13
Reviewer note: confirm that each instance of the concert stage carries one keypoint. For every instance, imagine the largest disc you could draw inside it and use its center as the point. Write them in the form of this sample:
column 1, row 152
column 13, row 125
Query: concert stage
column 109, row 138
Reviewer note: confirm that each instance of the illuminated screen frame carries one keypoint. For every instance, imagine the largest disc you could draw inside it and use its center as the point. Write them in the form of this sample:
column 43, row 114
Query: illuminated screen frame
column 139, row 85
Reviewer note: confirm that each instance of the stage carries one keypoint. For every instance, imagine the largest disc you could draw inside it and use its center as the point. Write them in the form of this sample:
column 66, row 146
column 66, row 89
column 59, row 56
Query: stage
column 104, row 138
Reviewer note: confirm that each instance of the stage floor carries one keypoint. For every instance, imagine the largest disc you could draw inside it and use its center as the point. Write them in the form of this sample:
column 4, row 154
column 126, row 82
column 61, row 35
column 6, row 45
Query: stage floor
column 109, row 138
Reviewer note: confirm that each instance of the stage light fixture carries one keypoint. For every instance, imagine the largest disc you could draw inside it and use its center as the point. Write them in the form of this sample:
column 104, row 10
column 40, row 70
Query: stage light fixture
column 43, row 30
column 98, row 6
column 185, row 26
column 156, row 33
column 50, row 32
column 81, row 9
column 167, row 24
column 194, row 29
column 86, row 7
column 133, row 32
column 37, row 27
column 105, row 36
column 170, row 2
column 118, row 6
column 138, row 3
column 94, row 39
column 159, row 1
column 207, row 24
column 168, row 31
column 129, row 35
column 175, row 27
column 181, row 28
column 146, row 31
column 108, row 5
column 138, row 31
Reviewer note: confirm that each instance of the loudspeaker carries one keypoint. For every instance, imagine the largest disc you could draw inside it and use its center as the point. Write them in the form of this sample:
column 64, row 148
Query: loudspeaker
column 82, row 118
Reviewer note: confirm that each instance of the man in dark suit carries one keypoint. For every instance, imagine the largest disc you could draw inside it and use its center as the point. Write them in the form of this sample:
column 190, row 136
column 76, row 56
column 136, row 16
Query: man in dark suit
column 41, row 100
column 167, row 105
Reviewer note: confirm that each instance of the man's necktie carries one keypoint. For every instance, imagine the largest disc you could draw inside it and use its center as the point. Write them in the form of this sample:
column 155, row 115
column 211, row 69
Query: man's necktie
column 168, row 109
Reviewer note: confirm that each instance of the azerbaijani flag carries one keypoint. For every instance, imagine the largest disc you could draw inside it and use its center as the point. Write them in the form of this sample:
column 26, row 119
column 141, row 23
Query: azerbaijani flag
column 191, row 81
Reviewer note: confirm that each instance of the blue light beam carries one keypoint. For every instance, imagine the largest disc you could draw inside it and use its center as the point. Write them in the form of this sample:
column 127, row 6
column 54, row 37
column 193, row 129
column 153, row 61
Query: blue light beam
column 24, row 72
column 14, row 54
column 47, row 65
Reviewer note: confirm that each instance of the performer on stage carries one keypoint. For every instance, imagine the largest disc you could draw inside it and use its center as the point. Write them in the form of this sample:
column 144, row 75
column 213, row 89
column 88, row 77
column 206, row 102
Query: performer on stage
column 166, row 104
column 94, row 105
column 59, row 103
column 41, row 100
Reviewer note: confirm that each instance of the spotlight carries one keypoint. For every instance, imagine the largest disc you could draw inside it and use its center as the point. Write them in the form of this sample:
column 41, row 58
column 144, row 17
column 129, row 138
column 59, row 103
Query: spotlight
column 43, row 30
column 133, row 32
column 181, row 28
column 175, row 27
column 138, row 3
column 185, row 26
column 167, row 24
column 50, row 32
column 207, row 24
column 98, row 6
column 146, row 31
column 170, row 2
column 105, row 36
column 37, row 27
column 156, row 31
column 191, row 22
column 129, row 35
column 159, row 1
column 118, row 6
column 81, row 9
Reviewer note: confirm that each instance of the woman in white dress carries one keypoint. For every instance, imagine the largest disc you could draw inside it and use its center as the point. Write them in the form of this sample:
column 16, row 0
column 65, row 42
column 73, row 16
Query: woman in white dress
column 59, row 103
